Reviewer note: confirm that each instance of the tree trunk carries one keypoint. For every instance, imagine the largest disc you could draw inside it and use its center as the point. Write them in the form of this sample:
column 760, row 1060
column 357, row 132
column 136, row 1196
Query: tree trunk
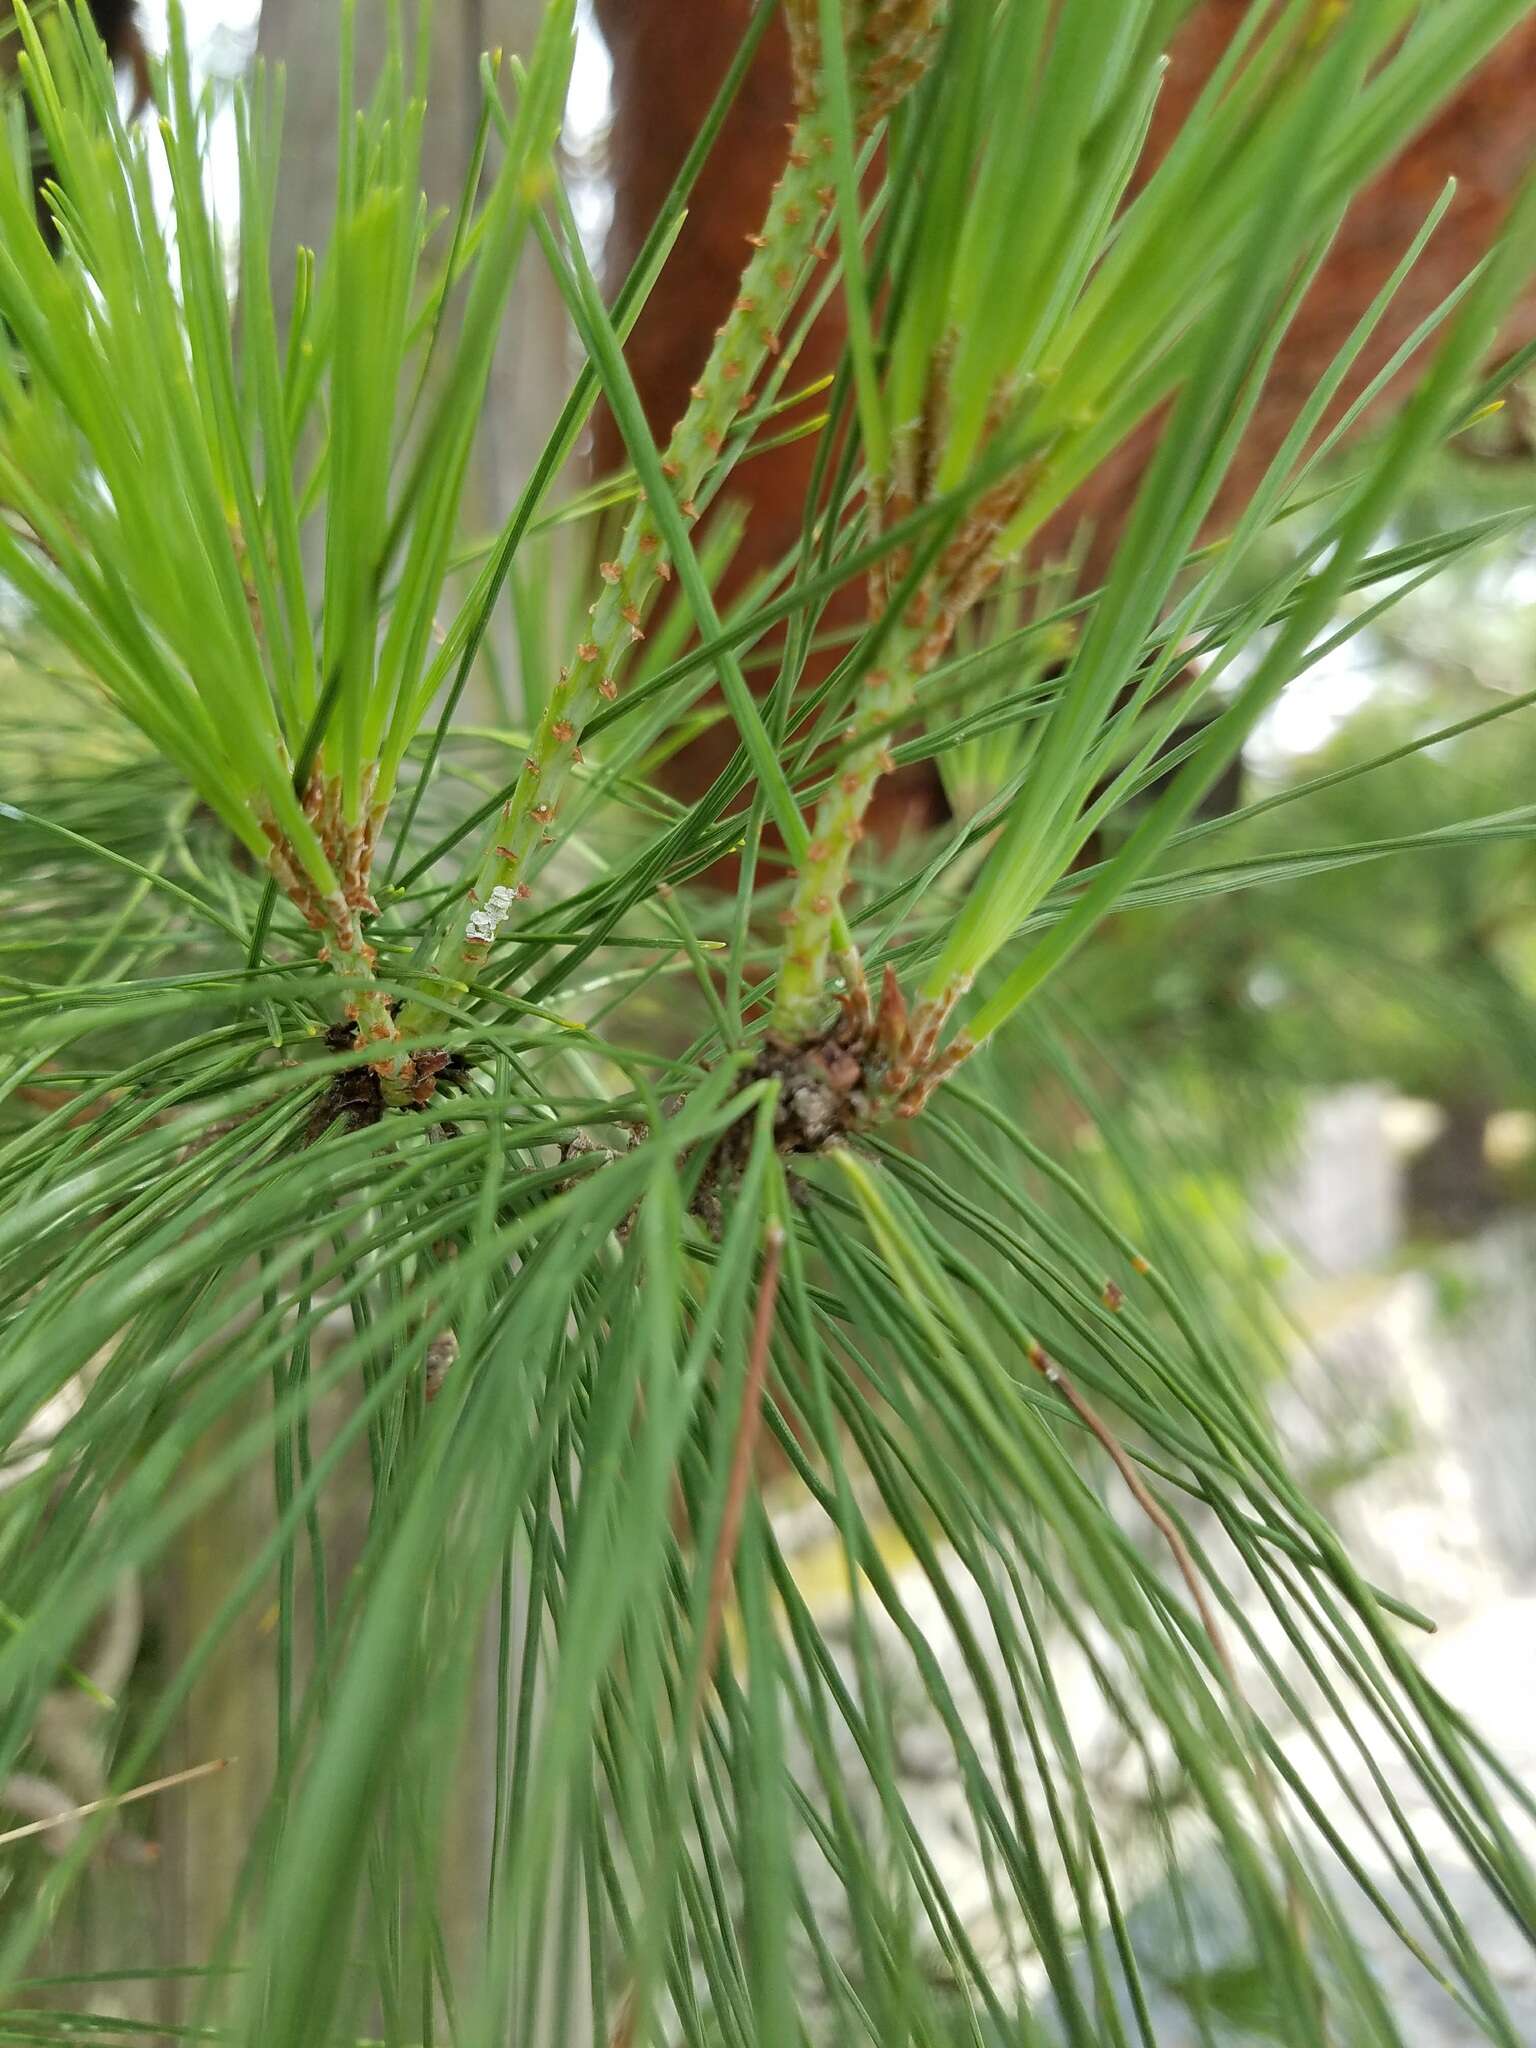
column 531, row 368
column 232, row 1710
column 669, row 57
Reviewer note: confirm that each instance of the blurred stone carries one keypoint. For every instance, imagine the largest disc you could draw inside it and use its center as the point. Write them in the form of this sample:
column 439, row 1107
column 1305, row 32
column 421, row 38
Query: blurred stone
column 1410, row 1415
column 1339, row 1208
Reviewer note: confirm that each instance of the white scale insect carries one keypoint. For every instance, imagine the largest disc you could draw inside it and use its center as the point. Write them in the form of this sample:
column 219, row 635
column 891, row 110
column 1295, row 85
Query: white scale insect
column 487, row 921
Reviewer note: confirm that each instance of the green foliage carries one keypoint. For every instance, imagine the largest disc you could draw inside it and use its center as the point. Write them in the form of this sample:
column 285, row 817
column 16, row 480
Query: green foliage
column 552, row 1267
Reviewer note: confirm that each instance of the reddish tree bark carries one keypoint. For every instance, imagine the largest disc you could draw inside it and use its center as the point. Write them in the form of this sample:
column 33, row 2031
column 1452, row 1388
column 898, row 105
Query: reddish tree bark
column 669, row 57
column 1485, row 138
column 668, row 61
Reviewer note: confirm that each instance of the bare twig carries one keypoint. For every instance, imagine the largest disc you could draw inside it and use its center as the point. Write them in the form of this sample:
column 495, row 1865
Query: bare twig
column 1263, row 1782
column 1156, row 1514
column 748, row 1429
column 76, row 1813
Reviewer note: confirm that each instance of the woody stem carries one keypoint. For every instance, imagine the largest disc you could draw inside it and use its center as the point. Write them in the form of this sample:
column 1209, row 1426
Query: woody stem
column 885, row 698
column 330, row 891
column 888, row 692
column 525, row 834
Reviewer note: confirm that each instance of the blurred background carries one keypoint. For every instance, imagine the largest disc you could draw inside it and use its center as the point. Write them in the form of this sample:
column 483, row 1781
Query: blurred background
column 1317, row 1094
